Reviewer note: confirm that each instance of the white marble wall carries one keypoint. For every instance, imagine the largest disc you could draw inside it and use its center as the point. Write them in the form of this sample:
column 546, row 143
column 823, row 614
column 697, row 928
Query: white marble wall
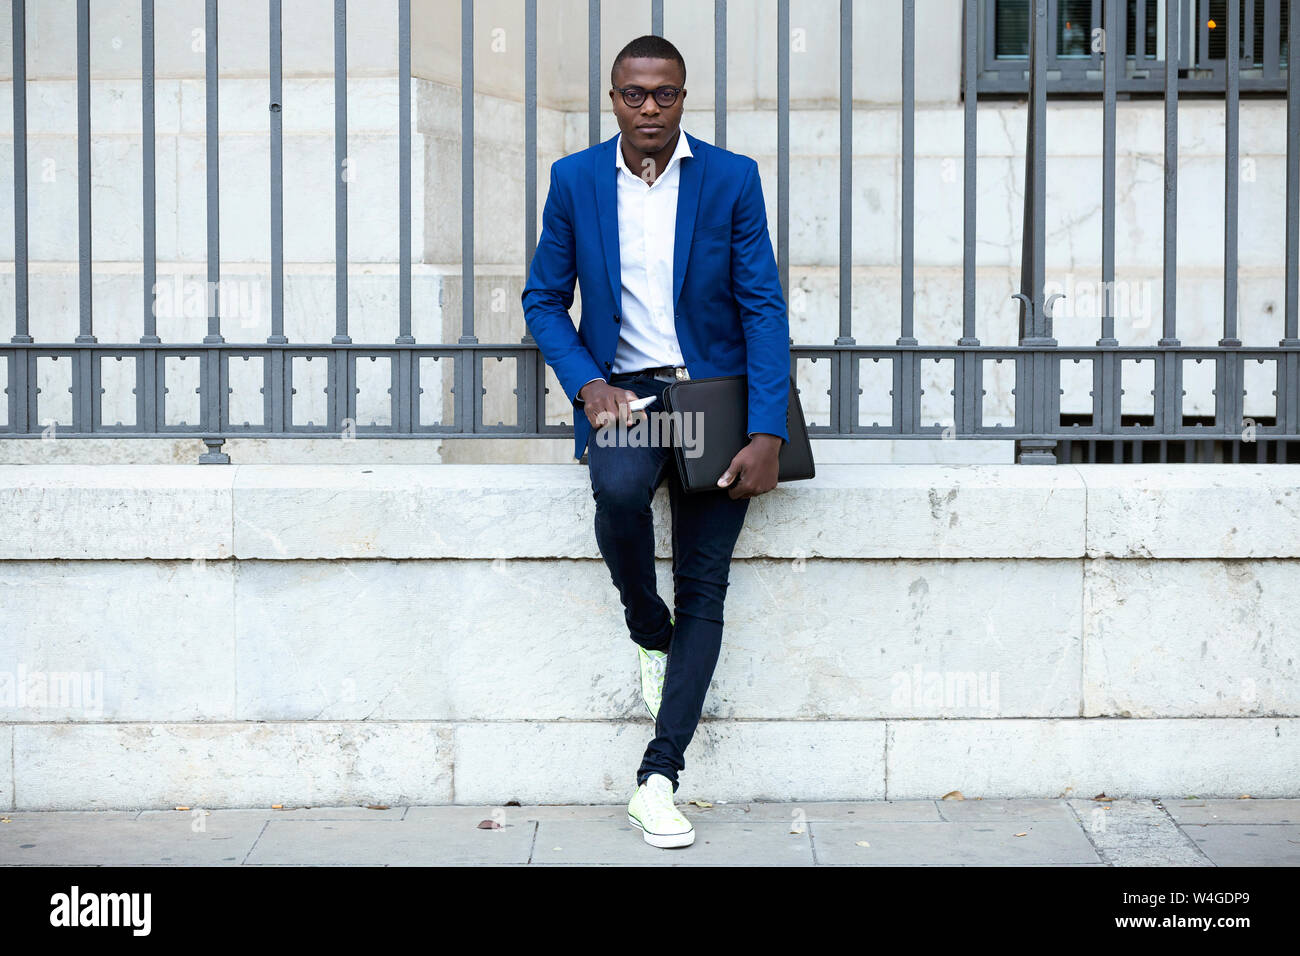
column 338, row 631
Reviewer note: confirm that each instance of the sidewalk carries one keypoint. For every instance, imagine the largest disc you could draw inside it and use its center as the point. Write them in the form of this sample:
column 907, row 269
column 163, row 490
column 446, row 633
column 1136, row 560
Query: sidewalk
column 1181, row 832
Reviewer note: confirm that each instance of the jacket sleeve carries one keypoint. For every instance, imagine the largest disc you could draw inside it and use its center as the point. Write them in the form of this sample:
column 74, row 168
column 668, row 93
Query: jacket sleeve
column 757, row 288
column 548, row 294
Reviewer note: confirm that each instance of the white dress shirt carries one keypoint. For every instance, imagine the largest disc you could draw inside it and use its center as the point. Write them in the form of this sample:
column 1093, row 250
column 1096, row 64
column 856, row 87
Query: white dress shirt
column 647, row 229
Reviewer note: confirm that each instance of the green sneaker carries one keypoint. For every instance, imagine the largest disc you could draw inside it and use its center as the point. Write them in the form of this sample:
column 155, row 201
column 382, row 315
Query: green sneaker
column 651, row 810
column 654, row 664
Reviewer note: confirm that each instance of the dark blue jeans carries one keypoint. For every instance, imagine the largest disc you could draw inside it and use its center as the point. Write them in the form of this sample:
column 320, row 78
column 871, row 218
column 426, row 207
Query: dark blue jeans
column 705, row 526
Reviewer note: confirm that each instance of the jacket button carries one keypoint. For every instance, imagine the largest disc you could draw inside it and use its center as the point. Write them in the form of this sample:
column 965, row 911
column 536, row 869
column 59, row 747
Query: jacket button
column 616, row 317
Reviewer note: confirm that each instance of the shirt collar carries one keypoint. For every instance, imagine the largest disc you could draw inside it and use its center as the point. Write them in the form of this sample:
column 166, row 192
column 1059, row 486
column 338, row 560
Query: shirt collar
column 682, row 150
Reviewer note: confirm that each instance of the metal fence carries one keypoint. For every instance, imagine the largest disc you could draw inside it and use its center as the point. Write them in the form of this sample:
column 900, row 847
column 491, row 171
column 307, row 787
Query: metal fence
column 1041, row 433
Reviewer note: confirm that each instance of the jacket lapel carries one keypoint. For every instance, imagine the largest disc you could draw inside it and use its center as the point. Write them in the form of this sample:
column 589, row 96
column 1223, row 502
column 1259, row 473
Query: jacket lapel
column 607, row 215
column 688, row 202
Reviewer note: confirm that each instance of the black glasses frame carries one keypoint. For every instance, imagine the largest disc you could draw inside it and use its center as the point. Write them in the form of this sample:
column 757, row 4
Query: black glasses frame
column 634, row 96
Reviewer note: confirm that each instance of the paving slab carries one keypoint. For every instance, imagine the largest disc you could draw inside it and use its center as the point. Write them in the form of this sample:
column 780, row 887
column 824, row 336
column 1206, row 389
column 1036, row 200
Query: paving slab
column 883, row 811
column 509, row 814
column 1188, row 812
column 376, row 843
column 718, row 842
column 968, row 811
column 1244, row 844
column 1136, row 833
column 391, row 814
column 122, row 838
column 1055, row 832
column 1045, row 842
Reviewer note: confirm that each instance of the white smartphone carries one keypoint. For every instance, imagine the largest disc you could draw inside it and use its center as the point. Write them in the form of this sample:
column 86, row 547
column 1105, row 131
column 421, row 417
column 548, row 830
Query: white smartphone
column 641, row 403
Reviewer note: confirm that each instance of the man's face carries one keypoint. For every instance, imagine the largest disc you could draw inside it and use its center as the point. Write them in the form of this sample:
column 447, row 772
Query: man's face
column 648, row 127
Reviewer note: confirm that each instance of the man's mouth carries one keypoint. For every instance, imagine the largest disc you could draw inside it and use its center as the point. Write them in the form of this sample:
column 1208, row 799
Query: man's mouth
column 649, row 129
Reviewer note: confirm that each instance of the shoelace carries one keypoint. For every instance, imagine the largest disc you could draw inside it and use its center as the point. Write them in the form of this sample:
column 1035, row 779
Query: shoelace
column 659, row 804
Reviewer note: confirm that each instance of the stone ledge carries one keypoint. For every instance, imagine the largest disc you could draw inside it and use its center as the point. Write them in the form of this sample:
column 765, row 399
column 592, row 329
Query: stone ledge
column 288, row 512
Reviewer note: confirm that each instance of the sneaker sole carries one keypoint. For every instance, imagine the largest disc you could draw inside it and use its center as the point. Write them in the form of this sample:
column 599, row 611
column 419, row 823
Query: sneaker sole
column 665, row 841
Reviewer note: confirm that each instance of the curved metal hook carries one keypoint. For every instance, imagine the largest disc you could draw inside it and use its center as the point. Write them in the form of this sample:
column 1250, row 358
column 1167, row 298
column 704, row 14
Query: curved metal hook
column 1047, row 306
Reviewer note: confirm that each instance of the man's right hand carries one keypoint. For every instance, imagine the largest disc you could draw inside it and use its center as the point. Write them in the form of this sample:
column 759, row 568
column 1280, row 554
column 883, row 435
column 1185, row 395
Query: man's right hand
column 605, row 403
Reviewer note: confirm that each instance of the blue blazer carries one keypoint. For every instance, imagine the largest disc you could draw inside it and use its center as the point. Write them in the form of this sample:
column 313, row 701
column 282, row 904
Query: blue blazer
column 728, row 306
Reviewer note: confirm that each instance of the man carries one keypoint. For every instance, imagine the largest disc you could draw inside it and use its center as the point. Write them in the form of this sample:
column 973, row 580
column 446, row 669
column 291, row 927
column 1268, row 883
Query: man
column 667, row 237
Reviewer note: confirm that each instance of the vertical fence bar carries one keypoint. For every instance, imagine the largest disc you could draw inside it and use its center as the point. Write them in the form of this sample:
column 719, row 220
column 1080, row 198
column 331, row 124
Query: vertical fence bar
column 406, row 375
column 275, row 401
column 1169, row 375
column 341, row 175
column 844, row 379
column 909, row 173
column 146, row 398
column 1227, row 390
column 83, row 171
column 1033, row 239
column 1112, row 54
column 1293, row 185
column 530, row 135
column 534, row 370
column 277, row 178
column 783, row 143
column 22, row 398
column 468, row 398
column 593, row 72
column 1231, row 173
column 212, row 134
column 657, row 17
column 210, row 375
column 720, row 73
column 846, row 173
column 1106, row 367
column 82, row 370
column 467, row 170
column 404, row 336
column 968, row 375
column 22, row 332
column 970, row 67
column 1272, row 37
column 148, row 157
column 1169, row 296
column 1291, row 410
column 1038, row 386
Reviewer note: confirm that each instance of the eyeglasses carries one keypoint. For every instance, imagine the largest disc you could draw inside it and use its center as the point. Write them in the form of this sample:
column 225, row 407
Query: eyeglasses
column 634, row 96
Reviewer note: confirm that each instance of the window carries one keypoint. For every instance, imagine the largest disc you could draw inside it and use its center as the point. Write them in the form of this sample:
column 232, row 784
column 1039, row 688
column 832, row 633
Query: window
column 1075, row 42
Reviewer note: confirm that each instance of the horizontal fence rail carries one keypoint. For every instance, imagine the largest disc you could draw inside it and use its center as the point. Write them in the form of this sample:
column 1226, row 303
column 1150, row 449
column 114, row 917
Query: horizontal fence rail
column 181, row 389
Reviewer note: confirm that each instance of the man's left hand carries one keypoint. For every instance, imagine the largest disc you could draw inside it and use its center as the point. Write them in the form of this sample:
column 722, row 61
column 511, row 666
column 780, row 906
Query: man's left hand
column 754, row 470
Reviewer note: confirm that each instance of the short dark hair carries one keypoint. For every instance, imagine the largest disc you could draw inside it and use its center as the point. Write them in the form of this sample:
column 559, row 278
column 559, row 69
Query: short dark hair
column 649, row 46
